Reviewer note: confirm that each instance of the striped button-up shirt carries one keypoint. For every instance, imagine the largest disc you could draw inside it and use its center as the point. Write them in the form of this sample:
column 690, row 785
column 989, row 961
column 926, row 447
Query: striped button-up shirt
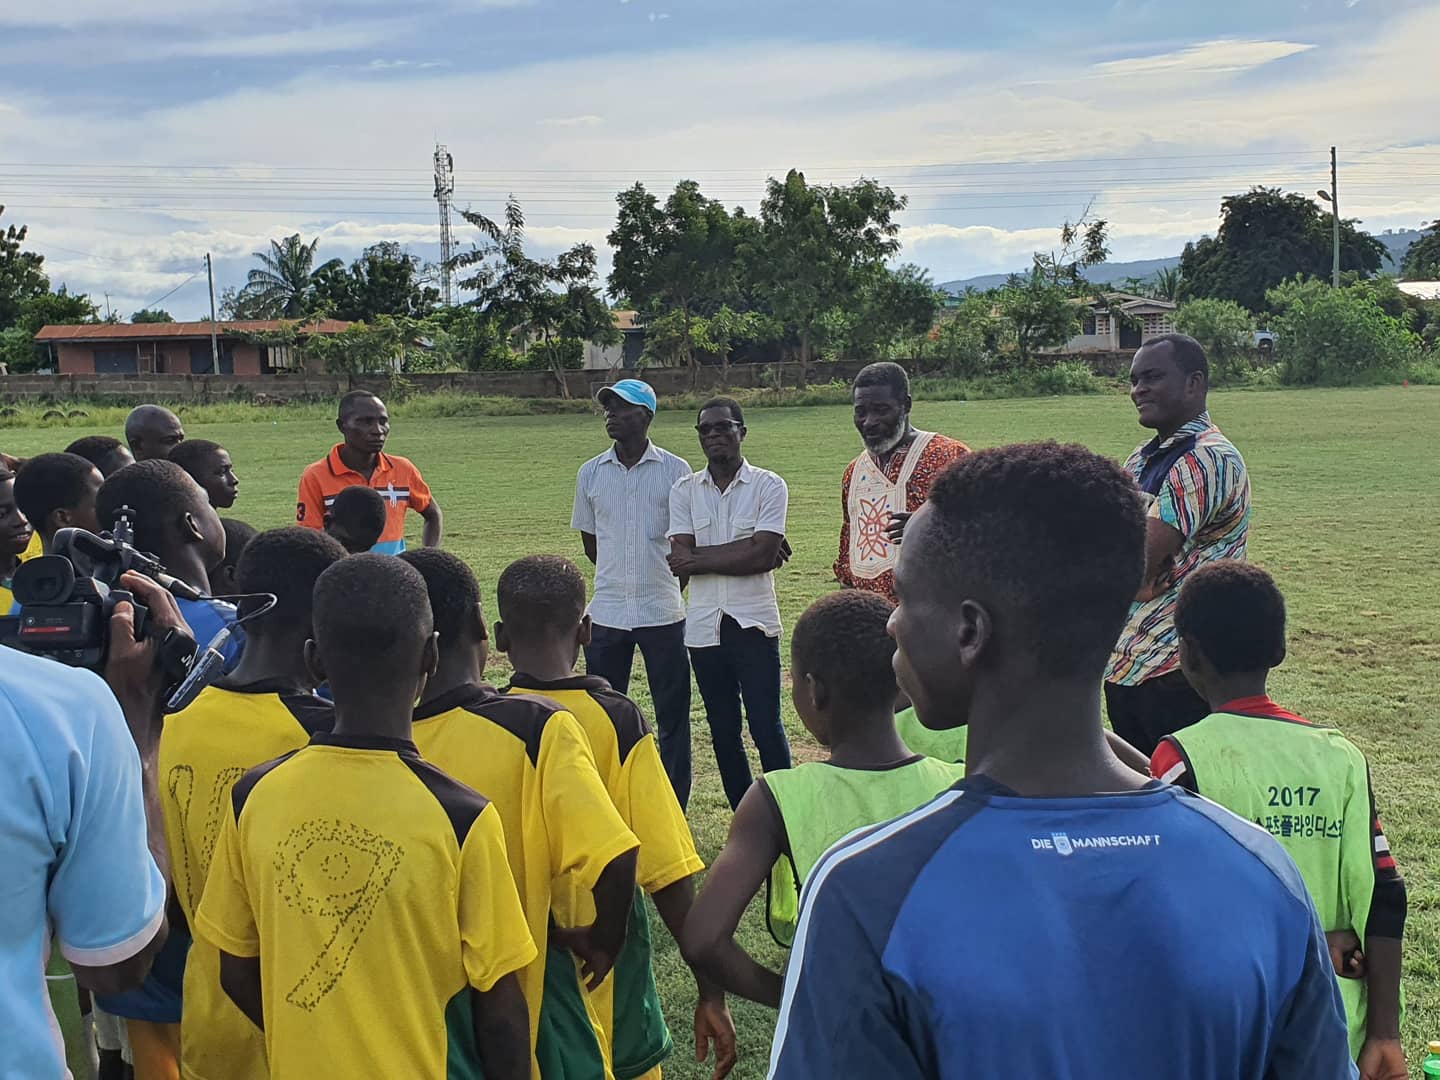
column 628, row 511
column 1205, row 497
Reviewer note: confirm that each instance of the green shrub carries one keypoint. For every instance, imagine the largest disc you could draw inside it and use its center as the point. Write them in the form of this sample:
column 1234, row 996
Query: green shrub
column 1225, row 330
column 1337, row 337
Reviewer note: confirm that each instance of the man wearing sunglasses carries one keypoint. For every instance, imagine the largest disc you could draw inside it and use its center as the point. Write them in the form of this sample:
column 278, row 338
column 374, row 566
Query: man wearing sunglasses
column 727, row 531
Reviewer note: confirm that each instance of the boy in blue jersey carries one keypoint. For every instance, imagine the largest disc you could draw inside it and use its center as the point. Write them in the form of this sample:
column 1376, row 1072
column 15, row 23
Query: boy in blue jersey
column 977, row 935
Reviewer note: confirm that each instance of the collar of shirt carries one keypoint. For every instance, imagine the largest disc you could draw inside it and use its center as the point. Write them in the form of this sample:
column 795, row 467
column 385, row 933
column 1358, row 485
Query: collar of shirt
column 364, row 742
column 463, row 695
column 652, row 453
column 1198, row 426
column 744, row 476
column 383, row 464
column 1261, row 705
column 522, row 681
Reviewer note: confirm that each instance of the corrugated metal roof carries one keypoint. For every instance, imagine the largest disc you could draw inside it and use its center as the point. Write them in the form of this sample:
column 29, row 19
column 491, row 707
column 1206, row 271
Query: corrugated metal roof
column 162, row 331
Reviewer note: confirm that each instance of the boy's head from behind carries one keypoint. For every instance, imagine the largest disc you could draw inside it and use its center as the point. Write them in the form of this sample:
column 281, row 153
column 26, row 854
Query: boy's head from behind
column 57, row 491
column 841, row 663
column 286, row 563
column 374, row 637
column 356, row 518
column 454, row 600
column 542, row 601
column 172, row 512
column 223, row 580
column 1019, row 571
column 1231, row 621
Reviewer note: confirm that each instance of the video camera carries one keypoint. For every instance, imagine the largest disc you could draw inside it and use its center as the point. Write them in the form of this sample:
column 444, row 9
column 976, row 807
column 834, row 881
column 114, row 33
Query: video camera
column 66, row 600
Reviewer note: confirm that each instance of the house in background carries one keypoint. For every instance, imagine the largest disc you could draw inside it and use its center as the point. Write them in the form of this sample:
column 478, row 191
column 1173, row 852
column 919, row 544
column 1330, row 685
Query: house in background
column 174, row 348
column 625, row 355
column 1120, row 322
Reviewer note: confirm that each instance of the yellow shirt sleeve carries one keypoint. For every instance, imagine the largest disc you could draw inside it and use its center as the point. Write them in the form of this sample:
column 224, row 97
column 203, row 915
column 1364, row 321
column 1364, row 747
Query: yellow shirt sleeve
column 667, row 850
column 586, row 831
column 494, row 938
column 225, row 918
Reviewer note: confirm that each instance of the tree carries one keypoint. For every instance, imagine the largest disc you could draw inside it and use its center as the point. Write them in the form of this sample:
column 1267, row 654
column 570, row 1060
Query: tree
column 674, row 260
column 59, row 308
column 385, row 346
column 1037, row 313
column 1224, row 328
column 385, row 280
column 1337, row 337
column 285, row 285
column 1167, row 283
column 146, row 315
column 22, row 274
column 816, row 249
column 891, row 304
column 1084, row 243
column 1422, row 258
column 555, row 303
column 1267, row 237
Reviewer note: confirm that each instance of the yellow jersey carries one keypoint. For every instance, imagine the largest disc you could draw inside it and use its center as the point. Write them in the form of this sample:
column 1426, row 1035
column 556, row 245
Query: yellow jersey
column 376, row 893
column 534, row 764
column 32, row 549
column 628, row 755
column 204, row 749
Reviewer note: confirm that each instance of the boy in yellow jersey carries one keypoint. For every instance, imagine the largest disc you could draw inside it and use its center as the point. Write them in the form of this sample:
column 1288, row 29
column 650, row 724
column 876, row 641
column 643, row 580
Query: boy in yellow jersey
column 844, row 691
column 543, row 627
column 262, row 709
column 360, row 897
column 18, row 541
column 535, row 765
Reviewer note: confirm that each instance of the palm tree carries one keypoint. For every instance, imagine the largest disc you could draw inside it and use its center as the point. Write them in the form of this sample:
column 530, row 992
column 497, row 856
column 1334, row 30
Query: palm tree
column 284, row 284
column 1167, row 283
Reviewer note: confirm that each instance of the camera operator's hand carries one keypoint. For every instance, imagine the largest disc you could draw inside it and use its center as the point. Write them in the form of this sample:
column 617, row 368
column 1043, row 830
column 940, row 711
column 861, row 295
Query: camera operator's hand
column 132, row 667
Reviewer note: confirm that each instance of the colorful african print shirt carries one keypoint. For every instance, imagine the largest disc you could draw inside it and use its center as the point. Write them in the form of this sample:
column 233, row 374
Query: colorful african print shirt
column 1202, row 491
column 934, row 454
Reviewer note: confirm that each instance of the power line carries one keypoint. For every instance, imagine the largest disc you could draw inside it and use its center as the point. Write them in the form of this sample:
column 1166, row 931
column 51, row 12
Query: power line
column 172, row 292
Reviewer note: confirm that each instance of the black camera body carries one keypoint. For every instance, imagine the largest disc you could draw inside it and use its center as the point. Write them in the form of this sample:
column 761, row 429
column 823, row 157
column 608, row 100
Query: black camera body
column 66, row 599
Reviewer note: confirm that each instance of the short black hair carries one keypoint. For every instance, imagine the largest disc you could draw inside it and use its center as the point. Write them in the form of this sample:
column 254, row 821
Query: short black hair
column 350, row 400
column 540, row 592
column 1188, row 354
column 1053, row 536
column 158, row 490
column 884, row 373
column 1235, row 614
column 50, row 482
column 366, row 609
column 237, row 535
column 286, row 562
column 724, row 403
column 361, row 510
column 190, row 455
column 454, row 592
column 95, row 448
column 841, row 640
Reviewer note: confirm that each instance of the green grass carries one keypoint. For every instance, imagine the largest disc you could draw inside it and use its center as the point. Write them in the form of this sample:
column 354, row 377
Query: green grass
column 1346, row 505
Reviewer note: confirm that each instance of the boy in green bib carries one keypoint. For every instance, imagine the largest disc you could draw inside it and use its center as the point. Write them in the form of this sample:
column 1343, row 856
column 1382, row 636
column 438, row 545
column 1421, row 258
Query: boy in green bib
column 1308, row 786
column 844, row 691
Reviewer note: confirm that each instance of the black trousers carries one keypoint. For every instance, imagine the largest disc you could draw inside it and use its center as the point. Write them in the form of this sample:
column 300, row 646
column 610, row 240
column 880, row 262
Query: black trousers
column 1143, row 715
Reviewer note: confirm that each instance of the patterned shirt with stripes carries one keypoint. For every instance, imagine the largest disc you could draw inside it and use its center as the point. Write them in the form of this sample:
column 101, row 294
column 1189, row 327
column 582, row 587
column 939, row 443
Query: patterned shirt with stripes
column 1204, row 496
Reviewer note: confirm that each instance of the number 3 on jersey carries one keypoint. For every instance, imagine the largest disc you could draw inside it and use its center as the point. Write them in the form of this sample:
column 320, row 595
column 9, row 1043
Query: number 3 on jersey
column 337, row 872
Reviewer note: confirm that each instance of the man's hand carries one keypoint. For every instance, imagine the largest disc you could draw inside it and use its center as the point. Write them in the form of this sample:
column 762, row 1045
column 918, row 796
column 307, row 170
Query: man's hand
column 714, row 1025
column 1382, row 1059
column 683, row 562
column 596, row 960
column 1346, row 954
column 131, row 667
column 895, row 527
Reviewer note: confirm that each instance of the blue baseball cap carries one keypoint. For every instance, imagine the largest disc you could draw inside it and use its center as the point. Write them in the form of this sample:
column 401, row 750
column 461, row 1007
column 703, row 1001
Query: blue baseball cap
column 632, row 390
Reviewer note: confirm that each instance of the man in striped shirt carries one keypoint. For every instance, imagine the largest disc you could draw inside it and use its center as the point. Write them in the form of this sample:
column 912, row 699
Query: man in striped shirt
column 1198, row 497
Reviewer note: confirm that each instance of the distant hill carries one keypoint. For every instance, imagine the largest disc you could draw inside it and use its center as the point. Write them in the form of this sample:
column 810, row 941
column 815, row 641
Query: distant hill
column 1107, row 273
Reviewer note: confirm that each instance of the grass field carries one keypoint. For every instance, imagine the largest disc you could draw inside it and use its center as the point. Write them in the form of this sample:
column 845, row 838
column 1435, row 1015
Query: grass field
column 1347, row 505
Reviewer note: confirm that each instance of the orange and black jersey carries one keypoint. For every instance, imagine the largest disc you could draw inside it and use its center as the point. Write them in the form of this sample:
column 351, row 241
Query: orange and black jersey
column 376, row 893
column 204, row 750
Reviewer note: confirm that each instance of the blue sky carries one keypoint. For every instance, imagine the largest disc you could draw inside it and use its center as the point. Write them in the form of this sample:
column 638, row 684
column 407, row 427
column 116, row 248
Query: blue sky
column 135, row 136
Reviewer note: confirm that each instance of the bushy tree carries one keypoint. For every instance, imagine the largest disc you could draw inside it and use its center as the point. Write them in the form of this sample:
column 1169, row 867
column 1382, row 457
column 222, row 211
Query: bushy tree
column 22, row 273
column 1267, row 237
column 1337, row 337
column 1422, row 258
column 286, row 283
column 1037, row 313
column 157, row 315
column 1225, row 329
column 385, row 280
column 966, row 341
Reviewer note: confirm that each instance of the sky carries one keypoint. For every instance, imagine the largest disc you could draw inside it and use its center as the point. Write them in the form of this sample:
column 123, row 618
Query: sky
column 137, row 136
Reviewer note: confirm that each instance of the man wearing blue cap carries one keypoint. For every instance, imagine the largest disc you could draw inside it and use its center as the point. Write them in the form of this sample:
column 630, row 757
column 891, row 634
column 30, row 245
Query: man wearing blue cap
column 622, row 510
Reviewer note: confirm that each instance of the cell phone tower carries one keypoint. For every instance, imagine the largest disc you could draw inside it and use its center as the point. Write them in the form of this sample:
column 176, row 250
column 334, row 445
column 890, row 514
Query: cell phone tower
column 444, row 192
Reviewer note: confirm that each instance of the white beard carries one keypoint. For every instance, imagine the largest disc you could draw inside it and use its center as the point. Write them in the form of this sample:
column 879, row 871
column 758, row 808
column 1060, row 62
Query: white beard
column 890, row 442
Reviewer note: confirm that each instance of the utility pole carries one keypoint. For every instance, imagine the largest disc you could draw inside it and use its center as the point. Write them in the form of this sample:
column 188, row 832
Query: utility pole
column 1335, row 214
column 214, row 341
column 444, row 191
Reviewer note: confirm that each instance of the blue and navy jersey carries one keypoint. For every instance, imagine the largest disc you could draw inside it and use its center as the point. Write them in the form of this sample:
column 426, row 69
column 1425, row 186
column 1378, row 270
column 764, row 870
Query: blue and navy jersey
column 1130, row 935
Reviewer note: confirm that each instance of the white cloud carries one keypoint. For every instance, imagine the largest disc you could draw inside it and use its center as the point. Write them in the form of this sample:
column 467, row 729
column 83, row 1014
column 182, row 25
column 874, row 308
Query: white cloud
column 1208, row 56
column 588, row 120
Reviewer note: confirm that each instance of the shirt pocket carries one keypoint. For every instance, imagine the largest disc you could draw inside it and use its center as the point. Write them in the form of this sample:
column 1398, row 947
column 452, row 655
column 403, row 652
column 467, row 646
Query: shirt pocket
column 744, row 525
column 703, row 529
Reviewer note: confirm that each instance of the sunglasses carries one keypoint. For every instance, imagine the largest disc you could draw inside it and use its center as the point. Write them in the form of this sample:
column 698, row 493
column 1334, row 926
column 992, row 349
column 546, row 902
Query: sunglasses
column 721, row 427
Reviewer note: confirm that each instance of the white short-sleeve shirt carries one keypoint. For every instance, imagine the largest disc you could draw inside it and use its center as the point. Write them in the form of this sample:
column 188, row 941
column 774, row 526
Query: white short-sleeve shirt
column 628, row 511
column 756, row 501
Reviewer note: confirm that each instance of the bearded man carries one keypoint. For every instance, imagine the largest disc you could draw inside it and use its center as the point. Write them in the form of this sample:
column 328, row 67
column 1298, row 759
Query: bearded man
column 888, row 482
